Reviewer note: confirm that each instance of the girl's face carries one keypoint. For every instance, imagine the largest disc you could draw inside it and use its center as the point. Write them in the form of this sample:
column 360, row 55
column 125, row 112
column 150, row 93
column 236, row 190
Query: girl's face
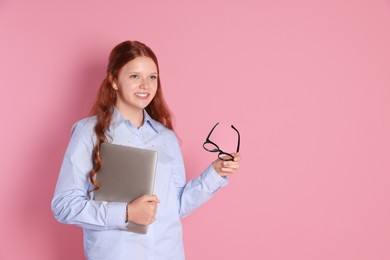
column 136, row 85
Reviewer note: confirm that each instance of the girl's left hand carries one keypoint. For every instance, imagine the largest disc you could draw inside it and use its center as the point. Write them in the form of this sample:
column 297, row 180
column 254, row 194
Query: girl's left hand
column 227, row 168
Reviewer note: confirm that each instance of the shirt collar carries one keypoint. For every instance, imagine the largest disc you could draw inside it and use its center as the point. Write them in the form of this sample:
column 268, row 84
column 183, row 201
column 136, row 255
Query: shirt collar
column 149, row 120
column 117, row 119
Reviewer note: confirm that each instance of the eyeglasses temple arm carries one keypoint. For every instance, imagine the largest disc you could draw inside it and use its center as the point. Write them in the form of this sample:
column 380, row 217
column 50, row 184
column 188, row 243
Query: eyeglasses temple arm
column 211, row 131
column 238, row 143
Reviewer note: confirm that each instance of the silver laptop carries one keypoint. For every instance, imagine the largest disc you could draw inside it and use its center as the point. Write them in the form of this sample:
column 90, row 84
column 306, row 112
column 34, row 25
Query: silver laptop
column 126, row 173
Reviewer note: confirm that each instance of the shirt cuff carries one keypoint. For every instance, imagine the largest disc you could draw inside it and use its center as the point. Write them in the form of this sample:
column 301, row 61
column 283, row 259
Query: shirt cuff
column 213, row 180
column 116, row 215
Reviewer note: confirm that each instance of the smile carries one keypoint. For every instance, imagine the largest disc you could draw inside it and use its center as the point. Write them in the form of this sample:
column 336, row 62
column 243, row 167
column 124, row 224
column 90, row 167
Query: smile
column 142, row 95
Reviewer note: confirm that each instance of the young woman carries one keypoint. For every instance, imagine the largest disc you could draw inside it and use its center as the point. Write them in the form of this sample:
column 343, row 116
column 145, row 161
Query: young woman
column 130, row 110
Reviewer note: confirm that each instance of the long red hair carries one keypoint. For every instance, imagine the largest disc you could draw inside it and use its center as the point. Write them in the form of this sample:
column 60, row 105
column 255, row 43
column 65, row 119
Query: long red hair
column 106, row 97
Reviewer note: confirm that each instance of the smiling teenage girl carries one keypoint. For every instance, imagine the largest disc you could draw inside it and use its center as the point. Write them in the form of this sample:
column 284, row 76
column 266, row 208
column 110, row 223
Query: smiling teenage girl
column 130, row 110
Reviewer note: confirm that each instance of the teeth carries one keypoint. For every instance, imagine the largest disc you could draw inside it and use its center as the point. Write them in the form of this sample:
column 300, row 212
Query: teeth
column 141, row 94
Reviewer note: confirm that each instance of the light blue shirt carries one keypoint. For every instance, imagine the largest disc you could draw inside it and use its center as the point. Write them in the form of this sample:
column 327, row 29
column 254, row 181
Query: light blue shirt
column 104, row 223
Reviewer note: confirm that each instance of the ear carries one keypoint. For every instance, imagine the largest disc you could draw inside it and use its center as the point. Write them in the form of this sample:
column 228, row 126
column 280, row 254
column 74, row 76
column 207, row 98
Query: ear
column 114, row 86
column 112, row 82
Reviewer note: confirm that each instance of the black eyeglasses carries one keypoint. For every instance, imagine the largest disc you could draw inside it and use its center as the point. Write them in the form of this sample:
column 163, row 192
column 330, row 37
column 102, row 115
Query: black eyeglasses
column 213, row 147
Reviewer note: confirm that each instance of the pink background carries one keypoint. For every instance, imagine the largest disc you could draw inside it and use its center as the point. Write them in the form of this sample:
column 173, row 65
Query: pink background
column 306, row 82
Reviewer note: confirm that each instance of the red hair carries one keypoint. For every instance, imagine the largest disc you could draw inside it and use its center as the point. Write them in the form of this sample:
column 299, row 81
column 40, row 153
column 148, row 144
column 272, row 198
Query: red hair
column 106, row 97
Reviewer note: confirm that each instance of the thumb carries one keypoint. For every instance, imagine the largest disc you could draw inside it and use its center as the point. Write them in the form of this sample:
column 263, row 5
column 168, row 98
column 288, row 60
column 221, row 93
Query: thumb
column 151, row 198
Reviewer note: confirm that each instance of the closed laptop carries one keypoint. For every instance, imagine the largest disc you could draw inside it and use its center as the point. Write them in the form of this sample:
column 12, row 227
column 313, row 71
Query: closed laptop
column 126, row 174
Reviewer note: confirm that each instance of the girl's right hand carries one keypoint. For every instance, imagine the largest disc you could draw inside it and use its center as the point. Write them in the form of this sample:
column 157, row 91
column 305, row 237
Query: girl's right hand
column 142, row 210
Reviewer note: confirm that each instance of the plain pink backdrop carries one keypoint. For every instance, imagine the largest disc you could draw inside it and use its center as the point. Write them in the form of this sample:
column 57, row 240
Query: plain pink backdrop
column 306, row 82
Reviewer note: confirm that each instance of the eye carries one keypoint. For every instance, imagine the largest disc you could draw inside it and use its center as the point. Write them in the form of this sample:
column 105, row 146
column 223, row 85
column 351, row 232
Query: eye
column 134, row 76
column 153, row 77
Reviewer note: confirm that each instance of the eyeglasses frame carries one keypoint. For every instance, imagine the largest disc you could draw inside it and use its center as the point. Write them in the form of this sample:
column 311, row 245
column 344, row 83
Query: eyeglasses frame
column 217, row 149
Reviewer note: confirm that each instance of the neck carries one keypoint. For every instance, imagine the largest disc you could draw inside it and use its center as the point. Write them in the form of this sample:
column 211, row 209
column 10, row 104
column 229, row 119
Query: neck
column 137, row 121
column 136, row 117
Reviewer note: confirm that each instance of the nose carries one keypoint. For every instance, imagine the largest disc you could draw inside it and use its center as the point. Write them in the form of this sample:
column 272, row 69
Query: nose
column 144, row 83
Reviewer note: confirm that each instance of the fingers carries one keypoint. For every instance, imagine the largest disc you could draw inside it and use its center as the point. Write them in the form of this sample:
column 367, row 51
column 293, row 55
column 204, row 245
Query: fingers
column 226, row 168
column 150, row 198
column 230, row 167
column 150, row 205
column 237, row 157
column 143, row 209
column 152, row 209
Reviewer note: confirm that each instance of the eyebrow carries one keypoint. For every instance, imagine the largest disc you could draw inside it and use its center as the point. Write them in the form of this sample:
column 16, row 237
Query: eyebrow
column 129, row 72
